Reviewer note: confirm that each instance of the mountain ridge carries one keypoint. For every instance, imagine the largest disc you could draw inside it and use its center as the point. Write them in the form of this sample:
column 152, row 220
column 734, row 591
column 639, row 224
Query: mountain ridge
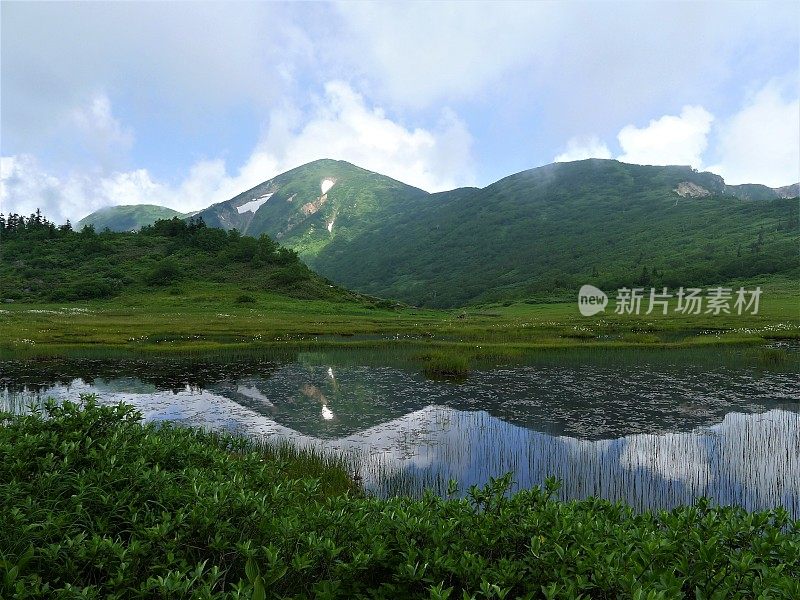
column 745, row 191
column 541, row 231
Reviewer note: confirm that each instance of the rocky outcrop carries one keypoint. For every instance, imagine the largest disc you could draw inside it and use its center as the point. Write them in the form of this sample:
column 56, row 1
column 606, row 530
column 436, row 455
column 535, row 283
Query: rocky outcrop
column 309, row 208
column 788, row 191
column 687, row 189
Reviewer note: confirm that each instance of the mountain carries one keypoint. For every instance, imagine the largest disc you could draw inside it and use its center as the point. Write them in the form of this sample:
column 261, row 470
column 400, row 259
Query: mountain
column 315, row 205
column 535, row 234
column 540, row 233
column 127, row 218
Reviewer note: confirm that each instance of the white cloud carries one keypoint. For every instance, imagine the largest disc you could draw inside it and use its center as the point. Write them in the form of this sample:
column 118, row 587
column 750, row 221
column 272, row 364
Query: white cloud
column 175, row 62
column 204, row 75
column 133, row 187
column 103, row 137
column 558, row 55
column 670, row 140
column 579, row 148
column 97, row 120
column 761, row 143
column 426, row 51
column 341, row 126
column 26, row 186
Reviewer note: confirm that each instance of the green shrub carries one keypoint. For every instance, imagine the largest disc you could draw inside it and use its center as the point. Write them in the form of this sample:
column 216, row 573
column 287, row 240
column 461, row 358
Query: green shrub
column 85, row 289
column 494, row 354
column 165, row 272
column 290, row 275
column 41, row 262
column 245, row 299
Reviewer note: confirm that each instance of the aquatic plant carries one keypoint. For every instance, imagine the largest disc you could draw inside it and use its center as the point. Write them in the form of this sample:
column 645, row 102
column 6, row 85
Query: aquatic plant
column 445, row 364
column 772, row 357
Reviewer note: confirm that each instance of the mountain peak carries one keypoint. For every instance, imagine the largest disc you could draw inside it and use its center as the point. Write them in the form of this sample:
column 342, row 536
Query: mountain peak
column 127, row 217
column 308, row 206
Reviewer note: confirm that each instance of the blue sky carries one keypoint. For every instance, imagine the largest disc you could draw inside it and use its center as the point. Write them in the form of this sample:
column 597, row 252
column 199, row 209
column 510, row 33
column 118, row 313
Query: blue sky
column 185, row 104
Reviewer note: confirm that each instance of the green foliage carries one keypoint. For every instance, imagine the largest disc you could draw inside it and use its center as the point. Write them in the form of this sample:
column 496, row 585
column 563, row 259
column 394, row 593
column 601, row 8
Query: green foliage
column 42, row 262
column 550, row 230
column 289, row 275
column 537, row 235
column 298, row 216
column 773, row 356
column 166, row 272
column 86, row 288
column 98, row 506
column 245, row 299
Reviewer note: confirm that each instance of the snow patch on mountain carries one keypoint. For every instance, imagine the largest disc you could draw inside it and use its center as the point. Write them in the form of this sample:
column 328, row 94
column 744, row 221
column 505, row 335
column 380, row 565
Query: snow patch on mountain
column 254, row 204
column 326, row 184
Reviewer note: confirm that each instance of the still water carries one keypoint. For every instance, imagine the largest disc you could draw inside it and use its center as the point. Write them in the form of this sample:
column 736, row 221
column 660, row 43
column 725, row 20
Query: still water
column 650, row 433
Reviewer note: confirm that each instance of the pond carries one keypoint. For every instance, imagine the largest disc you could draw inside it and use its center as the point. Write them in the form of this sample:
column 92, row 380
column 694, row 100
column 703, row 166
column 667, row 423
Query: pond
column 654, row 432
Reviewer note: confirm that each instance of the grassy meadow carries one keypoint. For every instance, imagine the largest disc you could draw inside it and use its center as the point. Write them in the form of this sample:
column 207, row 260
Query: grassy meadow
column 208, row 316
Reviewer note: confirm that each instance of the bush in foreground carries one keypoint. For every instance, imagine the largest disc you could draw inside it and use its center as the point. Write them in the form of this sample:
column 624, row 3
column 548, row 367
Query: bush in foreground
column 95, row 504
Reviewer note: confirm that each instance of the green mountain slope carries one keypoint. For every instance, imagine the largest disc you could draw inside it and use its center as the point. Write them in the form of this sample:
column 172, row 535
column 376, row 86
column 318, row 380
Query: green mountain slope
column 127, row 218
column 540, row 233
column 42, row 262
column 563, row 225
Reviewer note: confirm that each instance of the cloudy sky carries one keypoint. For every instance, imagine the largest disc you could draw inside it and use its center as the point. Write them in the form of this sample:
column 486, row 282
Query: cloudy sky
column 184, row 104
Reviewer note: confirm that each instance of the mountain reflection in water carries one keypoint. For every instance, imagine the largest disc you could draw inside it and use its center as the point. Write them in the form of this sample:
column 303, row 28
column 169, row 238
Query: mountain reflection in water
column 652, row 438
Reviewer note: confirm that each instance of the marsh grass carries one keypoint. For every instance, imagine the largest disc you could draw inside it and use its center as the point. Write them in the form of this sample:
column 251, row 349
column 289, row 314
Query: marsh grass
column 443, row 364
column 336, row 472
column 771, row 357
column 208, row 317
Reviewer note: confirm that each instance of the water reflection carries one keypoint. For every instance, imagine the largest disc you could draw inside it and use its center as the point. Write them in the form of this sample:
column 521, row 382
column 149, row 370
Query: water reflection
column 654, row 437
column 748, row 460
